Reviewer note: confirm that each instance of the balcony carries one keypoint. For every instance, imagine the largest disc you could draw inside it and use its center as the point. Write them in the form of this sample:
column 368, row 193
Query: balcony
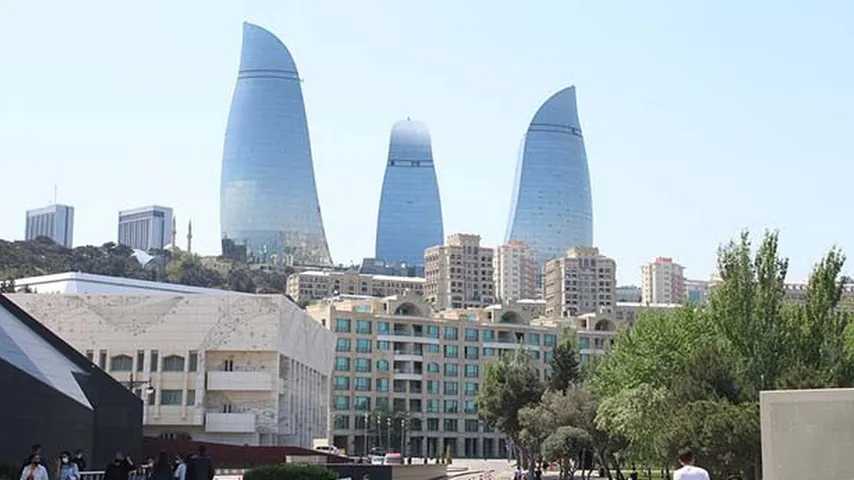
column 240, row 381
column 230, row 422
column 174, row 415
column 403, row 338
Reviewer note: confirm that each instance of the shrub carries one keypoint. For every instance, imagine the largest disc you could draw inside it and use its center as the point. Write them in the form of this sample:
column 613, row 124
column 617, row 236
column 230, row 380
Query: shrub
column 290, row 472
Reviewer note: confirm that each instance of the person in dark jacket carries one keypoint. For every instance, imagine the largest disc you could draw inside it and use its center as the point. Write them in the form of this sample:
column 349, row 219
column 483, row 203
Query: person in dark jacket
column 119, row 469
column 79, row 460
column 162, row 469
column 200, row 466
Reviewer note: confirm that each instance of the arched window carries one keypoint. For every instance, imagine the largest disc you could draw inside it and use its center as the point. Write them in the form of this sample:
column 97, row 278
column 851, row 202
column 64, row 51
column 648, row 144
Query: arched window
column 511, row 317
column 604, row 325
column 121, row 363
column 408, row 309
column 173, row 363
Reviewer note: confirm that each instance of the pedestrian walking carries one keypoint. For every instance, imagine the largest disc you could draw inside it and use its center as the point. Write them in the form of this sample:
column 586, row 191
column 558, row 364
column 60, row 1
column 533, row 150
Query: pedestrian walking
column 689, row 471
column 36, row 449
column 180, row 472
column 34, row 470
column 119, row 468
column 67, row 470
column 80, row 460
column 162, row 468
column 201, row 466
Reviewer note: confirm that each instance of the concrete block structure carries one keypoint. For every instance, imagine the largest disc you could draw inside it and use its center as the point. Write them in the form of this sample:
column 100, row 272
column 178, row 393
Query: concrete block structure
column 234, row 369
column 582, row 281
column 54, row 221
column 315, row 285
column 459, row 274
column 517, row 273
column 663, row 281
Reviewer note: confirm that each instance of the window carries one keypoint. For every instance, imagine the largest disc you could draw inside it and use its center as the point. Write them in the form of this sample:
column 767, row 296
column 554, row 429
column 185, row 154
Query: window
column 548, row 356
column 342, row 345
column 363, row 345
column 549, row 340
column 433, row 387
column 193, row 363
column 363, row 326
column 471, row 370
column 470, row 389
column 452, row 406
column 102, row 359
column 471, row 353
column 583, row 343
column 432, row 348
column 450, row 425
column 488, row 335
column 155, row 361
column 533, row 338
column 432, row 405
column 488, row 352
column 472, row 426
column 432, row 424
column 452, row 351
column 121, row 363
column 342, row 325
column 433, row 331
column 383, row 345
column 342, row 383
column 228, row 365
column 471, row 334
column 382, row 365
column 432, row 367
column 415, row 424
column 140, row 360
column 191, row 398
column 382, row 403
column 151, row 396
column 363, row 365
column 342, row 402
column 452, row 388
column 451, row 333
column 362, row 384
column 362, row 403
column 342, row 364
column 383, row 328
column 469, row 406
column 341, row 422
column 451, row 370
column 173, row 363
column 91, row 355
column 170, row 397
column 382, row 384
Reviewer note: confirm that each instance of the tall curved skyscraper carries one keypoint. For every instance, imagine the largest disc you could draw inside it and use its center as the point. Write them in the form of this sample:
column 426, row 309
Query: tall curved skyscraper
column 551, row 208
column 410, row 215
column 268, row 198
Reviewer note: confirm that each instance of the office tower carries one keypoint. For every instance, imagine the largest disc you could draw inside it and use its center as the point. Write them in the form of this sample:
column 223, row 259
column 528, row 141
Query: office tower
column 516, row 272
column 395, row 355
column 146, row 228
column 54, row 221
column 663, row 281
column 551, row 207
column 459, row 274
column 268, row 198
column 410, row 213
column 582, row 281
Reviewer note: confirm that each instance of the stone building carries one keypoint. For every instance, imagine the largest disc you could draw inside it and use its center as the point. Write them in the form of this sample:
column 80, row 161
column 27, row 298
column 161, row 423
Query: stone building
column 582, row 281
column 517, row 273
column 459, row 274
column 314, row 285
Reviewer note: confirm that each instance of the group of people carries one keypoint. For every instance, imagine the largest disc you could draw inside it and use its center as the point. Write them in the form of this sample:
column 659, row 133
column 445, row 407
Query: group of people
column 687, row 471
column 197, row 466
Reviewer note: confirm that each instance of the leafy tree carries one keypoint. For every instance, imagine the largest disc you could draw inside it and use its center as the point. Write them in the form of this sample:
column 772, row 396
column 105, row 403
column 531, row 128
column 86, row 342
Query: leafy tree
column 239, row 280
column 567, row 446
column 187, row 269
column 564, row 365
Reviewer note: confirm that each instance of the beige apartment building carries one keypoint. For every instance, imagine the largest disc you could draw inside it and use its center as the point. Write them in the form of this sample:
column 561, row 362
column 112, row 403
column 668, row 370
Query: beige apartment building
column 315, row 285
column 396, row 355
column 234, row 369
column 663, row 281
column 459, row 274
column 517, row 274
column 583, row 281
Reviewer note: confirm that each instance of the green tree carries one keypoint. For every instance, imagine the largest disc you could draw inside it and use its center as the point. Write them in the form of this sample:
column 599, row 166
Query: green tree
column 284, row 471
column 187, row 269
column 564, row 364
column 567, row 446
column 239, row 280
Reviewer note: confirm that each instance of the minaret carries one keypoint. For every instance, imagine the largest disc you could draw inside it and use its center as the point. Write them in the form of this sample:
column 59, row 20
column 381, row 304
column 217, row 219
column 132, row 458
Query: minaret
column 174, row 233
column 190, row 237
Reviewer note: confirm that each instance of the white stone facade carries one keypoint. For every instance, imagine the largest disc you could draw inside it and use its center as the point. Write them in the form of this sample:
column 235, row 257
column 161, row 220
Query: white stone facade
column 459, row 274
column 234, row 369
column 517, row 274
column 663, row 281
column 583, row 281
column 315, row 285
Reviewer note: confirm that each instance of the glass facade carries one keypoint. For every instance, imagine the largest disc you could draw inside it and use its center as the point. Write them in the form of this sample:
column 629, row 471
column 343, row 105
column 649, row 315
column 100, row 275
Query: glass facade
column 268, row 197
column 551, row 207
column 410, row 213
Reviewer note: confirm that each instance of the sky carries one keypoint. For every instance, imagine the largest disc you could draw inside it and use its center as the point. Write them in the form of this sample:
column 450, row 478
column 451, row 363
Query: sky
column 700, row 118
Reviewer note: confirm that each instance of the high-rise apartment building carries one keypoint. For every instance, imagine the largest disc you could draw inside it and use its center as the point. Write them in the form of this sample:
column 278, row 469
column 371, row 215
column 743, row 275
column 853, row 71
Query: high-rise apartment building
column 146, row 228
column 582, row 281
column 663, row 281
column 394, row 355
column 54, row 221
column 410, row 213
column 315, row 285
column 269, row 211
column 459, row 274
column 551, row 207
column 517, row 274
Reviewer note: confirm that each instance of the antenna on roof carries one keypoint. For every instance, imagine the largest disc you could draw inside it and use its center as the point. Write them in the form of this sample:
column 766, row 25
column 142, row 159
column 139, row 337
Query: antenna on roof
column 55, row 188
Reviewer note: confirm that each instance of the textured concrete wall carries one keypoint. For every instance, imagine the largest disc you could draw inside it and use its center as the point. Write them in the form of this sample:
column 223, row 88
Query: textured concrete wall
column 808, row 434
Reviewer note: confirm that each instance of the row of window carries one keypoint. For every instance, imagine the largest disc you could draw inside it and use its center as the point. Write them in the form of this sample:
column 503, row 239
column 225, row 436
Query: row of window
column 125, row 363
column 342, row 422
column 343, row 325
column 363, row 365
column 172, row 397
column 363, row 404
column 363, row 384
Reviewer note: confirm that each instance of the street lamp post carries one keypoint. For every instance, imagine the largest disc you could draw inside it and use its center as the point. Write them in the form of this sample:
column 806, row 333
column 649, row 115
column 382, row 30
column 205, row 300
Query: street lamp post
column 388, row 434
column 367, row 425
column 379, row 431
column 403, row 439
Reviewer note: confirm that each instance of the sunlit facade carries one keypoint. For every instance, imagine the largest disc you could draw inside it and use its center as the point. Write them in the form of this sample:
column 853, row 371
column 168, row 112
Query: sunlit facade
column 268, row 199
column 551, row 207
column 410, row 213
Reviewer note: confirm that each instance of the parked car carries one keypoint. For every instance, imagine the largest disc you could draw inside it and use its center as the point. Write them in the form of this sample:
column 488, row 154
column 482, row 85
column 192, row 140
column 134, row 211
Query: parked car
column 330, row 449
column 377, row 459
column 393, row 458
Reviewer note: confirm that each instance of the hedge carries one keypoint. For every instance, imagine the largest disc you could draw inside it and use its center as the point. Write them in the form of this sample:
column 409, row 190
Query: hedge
column 290, row 472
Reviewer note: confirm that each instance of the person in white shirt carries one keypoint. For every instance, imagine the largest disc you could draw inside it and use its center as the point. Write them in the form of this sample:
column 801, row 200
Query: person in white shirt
column 35, row 470
column 688, row 470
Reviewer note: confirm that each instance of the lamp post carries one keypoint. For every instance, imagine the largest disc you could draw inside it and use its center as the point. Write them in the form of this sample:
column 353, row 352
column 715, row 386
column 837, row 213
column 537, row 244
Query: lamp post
column 403, row 439
column 379, row 431
column 138, row 383
column 367, row 425
column 388, row 434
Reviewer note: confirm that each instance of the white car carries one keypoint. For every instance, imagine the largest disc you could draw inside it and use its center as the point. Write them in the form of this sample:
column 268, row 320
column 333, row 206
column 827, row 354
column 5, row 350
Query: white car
column 330, row 449
column 377, row 459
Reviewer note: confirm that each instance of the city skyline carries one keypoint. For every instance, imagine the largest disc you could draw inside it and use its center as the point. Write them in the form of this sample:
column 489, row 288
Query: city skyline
column 677, row 131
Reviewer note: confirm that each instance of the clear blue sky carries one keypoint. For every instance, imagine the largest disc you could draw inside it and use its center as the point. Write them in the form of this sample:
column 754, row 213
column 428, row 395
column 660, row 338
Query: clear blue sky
column 700, row 118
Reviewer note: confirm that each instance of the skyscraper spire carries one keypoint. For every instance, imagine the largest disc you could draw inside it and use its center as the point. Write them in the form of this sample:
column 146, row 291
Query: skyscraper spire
column 190, row 236
column 174, row 230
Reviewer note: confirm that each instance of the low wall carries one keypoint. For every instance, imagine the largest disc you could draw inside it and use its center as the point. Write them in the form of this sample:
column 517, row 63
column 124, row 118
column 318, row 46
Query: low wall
column 807, row 434
column 418, row 472
column 357, row 471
